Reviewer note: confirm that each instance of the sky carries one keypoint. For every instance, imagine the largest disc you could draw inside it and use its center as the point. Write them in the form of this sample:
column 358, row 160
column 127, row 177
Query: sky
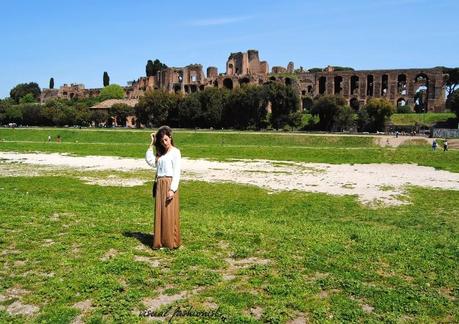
column 76, row 41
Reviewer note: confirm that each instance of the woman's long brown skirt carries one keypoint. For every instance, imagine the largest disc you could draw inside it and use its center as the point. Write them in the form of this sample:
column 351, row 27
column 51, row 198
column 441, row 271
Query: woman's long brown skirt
column 167, row 218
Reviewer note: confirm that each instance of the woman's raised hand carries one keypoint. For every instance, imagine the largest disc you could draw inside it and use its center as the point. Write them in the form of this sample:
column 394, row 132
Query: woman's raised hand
column 153, row 139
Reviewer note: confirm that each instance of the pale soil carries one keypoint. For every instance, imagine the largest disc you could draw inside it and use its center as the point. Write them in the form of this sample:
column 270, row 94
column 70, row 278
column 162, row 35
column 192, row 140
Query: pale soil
column 371, row 183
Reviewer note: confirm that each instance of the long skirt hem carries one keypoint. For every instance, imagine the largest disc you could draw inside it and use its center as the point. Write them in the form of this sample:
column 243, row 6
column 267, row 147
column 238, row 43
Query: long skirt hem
column 167, row 218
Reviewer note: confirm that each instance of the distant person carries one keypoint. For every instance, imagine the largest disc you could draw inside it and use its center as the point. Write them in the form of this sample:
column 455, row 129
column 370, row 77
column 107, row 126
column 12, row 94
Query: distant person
column 445, row 145
column 434, row 144
column 167, row 160
column 396, row 134
column 49, row 138
column 58, row 139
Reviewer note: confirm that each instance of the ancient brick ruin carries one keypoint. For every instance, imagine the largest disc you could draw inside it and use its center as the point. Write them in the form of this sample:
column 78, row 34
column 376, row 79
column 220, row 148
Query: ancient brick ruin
column 398, row 86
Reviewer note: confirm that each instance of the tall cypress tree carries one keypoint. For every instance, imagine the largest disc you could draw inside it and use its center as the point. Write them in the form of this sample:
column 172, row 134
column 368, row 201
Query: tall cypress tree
column 150, row 68
column 106, row 79
column 51, row 83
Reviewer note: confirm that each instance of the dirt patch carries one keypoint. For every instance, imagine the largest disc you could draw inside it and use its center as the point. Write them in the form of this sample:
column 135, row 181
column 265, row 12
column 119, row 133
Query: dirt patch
column 110, row 254
column 154, row 304
column 150, row 261
column 85, row 307
column 18, row 308
column 375, row 185
column 256, row 312
column 245, row 263
column 300, row 319
column 113, row 181
column 393, row 141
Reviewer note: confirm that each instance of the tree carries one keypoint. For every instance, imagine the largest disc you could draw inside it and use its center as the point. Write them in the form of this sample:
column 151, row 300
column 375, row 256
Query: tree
column 245, row 107
column 345, row 119
column 212, row 102
column 153, row 108
column 420, row 99
column 32, row 114
column 113, row 91
column 4, row 105
column 13, row 114
column 452, row 103
column 374, row 114
column 189, row 111
column 121, row 111
column 150, row 69
column 327, row 107
column 106, row 79
column 452, row 80
column 28, row 98
column 23, row 89
column 51, row 83
column 284, row 101
column 98, row 116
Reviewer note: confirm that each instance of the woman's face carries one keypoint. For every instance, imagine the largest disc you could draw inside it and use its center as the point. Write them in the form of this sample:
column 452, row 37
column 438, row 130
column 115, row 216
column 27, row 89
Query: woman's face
column 166, row 142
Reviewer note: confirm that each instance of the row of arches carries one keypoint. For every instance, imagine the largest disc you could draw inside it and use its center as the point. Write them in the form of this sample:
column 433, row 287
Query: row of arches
column 354, row 86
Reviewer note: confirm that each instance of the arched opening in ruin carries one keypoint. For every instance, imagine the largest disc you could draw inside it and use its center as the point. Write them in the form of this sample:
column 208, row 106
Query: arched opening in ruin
column 303, row 92
column 72, row 95
column 370, row 85
column 322, row 84
column 384, row 84
column 421, row 78
column 228, row 84
column 401, row 84
column 401, row 102
column 307, row 104
column 355, row 104
column 193, row 88
column 216, row 84
column 230, row 69
column 288, row 81
column 421, row 99
column 272, row 78
column 193, row 78
column 244, row 81
column 354, row 85
column 260, row 81
column 338, row 80
column 309, row 88
column 177, row 88
column 201, row 87
column 187, row 88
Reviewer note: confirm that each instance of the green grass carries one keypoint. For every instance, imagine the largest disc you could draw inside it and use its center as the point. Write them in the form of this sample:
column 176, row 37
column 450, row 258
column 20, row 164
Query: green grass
column 231, row 145
column 424, row 119
column 330, row 258
column 328, row 255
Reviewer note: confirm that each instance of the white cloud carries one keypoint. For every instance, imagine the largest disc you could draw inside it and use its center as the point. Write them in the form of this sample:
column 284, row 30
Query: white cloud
column 219, row 21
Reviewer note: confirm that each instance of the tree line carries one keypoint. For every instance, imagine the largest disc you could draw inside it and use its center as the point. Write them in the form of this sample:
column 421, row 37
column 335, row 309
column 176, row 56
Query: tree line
column 249, row 107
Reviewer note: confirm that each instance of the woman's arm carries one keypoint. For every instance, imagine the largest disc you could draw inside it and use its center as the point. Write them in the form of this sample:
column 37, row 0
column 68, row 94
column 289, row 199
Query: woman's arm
column 149, row 155
column 176, row 167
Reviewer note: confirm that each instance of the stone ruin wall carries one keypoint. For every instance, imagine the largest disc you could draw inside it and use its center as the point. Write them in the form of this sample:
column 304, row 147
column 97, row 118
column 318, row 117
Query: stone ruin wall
column 246, row 68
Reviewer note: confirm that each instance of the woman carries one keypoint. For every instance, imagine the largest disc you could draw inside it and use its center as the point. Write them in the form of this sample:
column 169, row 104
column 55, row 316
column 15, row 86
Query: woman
column 167, row 162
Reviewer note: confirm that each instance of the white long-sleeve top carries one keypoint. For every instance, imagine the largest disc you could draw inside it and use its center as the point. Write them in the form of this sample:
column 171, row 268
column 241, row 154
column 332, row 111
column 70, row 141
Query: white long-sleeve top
column 168, row 165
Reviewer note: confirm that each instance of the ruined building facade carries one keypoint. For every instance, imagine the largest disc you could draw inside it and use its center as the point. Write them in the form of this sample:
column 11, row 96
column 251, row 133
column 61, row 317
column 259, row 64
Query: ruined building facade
column 399, row 86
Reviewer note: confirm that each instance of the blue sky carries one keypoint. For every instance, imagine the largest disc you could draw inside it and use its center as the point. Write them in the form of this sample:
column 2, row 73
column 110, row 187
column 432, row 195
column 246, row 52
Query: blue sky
column 76, row 41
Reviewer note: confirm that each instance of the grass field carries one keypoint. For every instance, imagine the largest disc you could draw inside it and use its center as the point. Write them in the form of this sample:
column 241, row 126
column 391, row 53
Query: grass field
column 422, row 119
column 230, row 145
column 249, row 255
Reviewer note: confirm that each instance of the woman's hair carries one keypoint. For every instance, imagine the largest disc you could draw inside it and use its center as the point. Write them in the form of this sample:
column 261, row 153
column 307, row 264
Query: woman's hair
column 163, row 130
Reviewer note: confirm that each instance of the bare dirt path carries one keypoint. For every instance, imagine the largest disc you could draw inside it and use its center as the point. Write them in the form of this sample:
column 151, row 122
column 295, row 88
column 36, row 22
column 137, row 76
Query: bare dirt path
column 371, row 183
